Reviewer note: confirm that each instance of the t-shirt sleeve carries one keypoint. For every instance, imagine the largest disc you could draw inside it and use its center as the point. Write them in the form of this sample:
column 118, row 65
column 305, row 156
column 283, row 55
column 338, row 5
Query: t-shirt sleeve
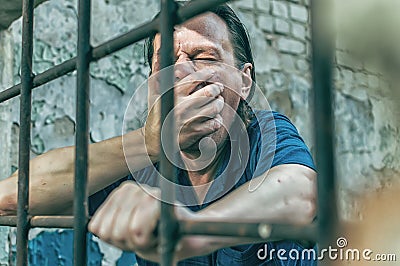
column 290, row 147
column 280, row 143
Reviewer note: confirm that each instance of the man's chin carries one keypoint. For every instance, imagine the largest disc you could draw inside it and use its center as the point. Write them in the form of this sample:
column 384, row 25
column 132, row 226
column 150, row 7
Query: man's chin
column 217, row 138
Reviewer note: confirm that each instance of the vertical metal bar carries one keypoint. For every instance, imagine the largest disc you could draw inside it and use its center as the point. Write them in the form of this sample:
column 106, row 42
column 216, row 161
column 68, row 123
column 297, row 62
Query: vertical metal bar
column 25, row 133
column 168, row 225
column 82, row 134
column 322, row 58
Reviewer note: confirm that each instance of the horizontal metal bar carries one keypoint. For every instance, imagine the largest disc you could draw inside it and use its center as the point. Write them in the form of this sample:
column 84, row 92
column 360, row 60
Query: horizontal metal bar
column 52, row 221
column 254, row 230
column 98, row 52
column 112, row 46
column 8, row 220
column 125, row 40
column 41, row 221
column 44, row 77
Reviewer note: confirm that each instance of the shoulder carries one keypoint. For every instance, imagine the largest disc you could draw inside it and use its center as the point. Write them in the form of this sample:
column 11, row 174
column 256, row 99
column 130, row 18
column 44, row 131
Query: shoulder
column 280, row 139
column 271, row 119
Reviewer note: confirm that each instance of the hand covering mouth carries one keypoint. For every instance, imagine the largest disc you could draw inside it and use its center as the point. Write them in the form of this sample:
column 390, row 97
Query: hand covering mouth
column 200, row 86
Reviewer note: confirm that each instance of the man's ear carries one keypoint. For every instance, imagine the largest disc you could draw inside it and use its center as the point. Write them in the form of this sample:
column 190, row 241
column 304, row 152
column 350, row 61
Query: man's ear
column 246, row 81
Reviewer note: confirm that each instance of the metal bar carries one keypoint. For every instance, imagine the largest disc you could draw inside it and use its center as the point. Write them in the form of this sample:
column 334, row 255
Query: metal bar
column 112, row 46
column 98, row 52
column 44, row 77
column 25, row 133
column 8, row 220
column 41, row 221
column 254, row 230
column 322, row 58
column 168, row 226
column 82, row 134
column 53, row 221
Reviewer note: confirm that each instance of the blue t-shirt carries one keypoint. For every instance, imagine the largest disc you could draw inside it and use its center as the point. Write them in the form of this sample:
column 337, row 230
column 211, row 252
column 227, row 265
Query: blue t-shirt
column 269, row 140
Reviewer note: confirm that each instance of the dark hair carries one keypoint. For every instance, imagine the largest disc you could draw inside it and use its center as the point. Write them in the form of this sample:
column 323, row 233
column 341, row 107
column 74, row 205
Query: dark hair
column 242, row 52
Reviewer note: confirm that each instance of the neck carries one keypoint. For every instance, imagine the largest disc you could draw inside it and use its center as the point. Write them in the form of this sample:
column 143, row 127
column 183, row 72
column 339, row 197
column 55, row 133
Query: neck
column 207, row 168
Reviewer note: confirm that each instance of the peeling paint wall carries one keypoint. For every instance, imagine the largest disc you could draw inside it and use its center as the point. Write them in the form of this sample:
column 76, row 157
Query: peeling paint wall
column 367, row 129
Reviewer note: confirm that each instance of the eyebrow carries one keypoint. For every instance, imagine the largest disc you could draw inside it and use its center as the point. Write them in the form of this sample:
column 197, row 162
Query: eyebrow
column 198, row 50
column 205, row 49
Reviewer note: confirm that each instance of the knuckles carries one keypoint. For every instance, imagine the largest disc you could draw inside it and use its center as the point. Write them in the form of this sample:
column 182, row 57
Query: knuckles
column 131, row 235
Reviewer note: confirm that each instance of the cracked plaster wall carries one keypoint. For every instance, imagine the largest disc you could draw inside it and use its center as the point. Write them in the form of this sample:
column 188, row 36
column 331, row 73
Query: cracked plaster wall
column 367, row 129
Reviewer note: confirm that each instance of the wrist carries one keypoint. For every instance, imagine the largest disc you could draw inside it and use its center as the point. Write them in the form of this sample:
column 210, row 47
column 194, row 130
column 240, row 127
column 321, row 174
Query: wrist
column 151, row 147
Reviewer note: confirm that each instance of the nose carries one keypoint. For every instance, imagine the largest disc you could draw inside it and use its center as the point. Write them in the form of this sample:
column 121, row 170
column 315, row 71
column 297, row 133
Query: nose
column 183, row 67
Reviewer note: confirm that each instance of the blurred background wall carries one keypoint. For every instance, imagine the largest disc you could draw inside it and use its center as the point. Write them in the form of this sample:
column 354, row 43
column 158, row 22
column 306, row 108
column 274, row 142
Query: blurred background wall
column 367, row 126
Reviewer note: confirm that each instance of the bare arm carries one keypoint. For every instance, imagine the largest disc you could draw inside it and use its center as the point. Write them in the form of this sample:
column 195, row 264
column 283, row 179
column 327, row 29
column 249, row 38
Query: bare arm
column 52, row 174
column 286, row 196
column 128, row 218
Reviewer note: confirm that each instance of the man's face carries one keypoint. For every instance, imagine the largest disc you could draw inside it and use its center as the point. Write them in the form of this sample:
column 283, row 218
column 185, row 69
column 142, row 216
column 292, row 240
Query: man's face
column 203, row 42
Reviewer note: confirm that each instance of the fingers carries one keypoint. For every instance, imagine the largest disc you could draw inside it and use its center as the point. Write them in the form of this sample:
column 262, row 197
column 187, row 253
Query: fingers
column 127, row 218
column 210, row 90
column 192, row 105
column 187, row 85
column 196, row 110
column 144, row 223
column 209, row 126
column 212, row 109
column 104, row 218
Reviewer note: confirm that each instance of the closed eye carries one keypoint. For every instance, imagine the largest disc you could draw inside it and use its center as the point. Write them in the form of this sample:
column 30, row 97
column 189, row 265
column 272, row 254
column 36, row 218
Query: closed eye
column 205, row 58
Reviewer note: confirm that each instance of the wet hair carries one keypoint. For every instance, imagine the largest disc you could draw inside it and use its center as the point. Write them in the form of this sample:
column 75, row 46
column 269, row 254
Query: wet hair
column 239, row 38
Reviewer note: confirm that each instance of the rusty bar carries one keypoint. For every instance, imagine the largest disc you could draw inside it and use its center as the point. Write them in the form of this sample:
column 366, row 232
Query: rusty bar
column 168, row 226
column 255, row 230
column 8, row 220
column 52, row 221
column 82, row 134
column 25, row 133
column 41, row 221
column 98, row 52
column 170, row 15
column 112, row 46
column 322, row 58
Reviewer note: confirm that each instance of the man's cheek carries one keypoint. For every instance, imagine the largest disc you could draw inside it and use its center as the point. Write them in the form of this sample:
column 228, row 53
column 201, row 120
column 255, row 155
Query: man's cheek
column 230, row 80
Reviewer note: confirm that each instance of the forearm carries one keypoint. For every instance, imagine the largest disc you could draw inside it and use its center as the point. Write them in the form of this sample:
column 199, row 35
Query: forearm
column 50, row 180
column 52, row 174
column 287, row 195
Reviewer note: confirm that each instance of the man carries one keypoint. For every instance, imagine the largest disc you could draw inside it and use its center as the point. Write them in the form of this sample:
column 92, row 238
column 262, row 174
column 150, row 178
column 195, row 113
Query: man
column 207, row 89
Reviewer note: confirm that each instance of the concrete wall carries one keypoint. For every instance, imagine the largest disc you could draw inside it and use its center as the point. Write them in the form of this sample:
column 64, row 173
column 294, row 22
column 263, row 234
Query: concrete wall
column 368, row 148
